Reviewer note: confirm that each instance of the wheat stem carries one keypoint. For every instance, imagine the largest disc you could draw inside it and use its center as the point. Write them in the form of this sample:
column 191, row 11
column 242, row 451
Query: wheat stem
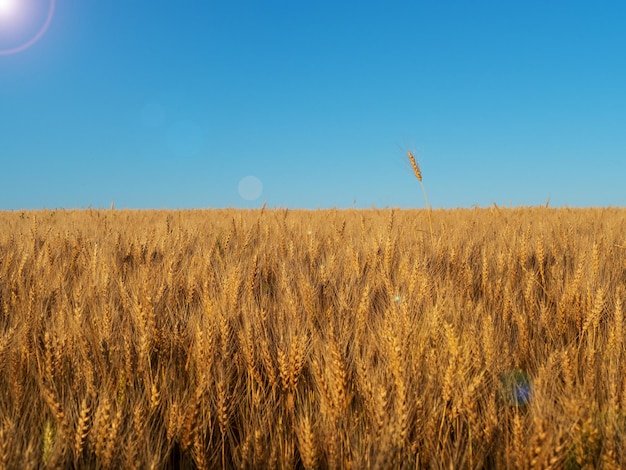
column 418, row 175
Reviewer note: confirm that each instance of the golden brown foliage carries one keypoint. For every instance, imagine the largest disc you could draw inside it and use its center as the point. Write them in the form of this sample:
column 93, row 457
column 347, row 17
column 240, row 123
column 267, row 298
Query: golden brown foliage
column 312, row 339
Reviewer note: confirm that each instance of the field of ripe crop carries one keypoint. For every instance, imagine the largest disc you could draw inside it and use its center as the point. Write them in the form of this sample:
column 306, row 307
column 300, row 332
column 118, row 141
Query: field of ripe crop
column 313, row 339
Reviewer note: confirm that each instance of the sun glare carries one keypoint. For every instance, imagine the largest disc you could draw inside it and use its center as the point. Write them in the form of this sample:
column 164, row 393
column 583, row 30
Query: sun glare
column 7, row 7
column 21, row 23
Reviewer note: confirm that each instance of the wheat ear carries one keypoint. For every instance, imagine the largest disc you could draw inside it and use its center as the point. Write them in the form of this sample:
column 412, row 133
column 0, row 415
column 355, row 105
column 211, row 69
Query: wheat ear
column 418, row 175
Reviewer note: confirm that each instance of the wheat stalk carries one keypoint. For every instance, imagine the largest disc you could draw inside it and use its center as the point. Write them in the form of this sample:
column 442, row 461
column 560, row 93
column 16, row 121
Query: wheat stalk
column 101, row 427
column 82, row 430
column 306, row 442
column 108, row 451
column 418, row 175
column 5, row 442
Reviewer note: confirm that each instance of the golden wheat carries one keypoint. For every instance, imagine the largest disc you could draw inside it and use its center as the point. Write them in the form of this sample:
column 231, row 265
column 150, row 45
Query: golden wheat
column 224, row 338
column 418, row 175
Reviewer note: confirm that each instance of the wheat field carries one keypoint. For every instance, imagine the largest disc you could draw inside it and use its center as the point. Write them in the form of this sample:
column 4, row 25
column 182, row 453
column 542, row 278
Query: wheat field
column 313, row 339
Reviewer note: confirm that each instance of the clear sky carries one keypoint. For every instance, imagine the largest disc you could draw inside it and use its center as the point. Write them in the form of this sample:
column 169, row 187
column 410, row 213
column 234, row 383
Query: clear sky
column 311, row 103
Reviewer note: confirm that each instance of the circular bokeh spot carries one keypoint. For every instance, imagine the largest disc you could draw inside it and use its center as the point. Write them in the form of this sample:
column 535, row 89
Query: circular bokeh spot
column 152, row 114
column 185, row 139
column 250, row 188
column 23, row 23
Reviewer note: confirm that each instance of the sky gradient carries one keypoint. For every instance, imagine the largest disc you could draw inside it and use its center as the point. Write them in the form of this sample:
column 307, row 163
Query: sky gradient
column 306, row 104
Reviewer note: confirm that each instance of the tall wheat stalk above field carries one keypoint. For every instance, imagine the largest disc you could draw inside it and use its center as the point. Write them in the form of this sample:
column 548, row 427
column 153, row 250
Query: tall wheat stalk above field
column 418, row 174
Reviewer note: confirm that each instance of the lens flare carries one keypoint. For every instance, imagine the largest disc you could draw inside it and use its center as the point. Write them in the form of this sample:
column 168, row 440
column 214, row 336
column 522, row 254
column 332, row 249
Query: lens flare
column 250, row 188
column 7, row 8
column 10, row 10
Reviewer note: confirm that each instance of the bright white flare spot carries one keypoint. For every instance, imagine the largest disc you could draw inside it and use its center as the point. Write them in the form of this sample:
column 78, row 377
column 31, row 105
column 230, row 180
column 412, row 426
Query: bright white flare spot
column 7, row 7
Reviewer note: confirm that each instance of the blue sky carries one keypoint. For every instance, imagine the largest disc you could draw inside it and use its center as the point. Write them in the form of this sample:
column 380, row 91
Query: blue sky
column 156, row 104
